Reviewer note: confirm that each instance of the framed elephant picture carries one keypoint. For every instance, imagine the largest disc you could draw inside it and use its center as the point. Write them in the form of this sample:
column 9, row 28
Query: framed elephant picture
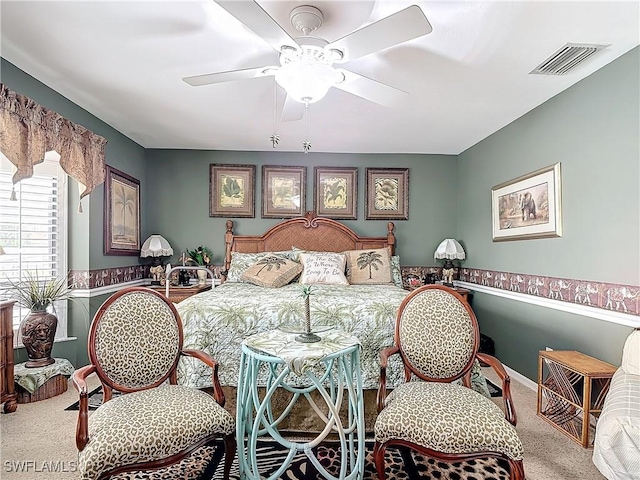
column 529, row 206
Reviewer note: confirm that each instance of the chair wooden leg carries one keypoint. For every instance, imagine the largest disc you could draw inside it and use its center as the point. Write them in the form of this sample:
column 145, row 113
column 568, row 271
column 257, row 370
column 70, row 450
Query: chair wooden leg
column 516, row 469
column 229, row 454
column 378, row 458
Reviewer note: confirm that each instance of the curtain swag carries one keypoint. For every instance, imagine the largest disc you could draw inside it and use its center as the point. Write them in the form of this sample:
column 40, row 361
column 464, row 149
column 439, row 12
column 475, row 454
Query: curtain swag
column 28, row 130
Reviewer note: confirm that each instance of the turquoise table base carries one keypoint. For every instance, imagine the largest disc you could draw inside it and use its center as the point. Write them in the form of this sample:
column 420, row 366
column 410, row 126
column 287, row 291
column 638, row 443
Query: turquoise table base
column 336, row 377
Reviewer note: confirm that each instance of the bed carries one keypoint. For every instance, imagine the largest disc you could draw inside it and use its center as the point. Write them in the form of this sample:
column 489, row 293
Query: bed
column 218, row 320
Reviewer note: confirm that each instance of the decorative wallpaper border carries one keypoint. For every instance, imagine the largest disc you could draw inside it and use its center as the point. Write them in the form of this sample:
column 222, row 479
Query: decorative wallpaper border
column 103, row 277
column 609, row 296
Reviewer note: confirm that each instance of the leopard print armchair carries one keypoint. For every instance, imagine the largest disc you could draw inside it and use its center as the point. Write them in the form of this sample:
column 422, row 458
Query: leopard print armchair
column 135, row 343
column 437, row 338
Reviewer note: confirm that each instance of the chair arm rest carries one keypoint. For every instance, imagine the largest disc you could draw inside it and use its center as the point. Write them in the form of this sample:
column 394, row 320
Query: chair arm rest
column 207, row 359
column 382, row 387
column 79, row 383
column 509, row 408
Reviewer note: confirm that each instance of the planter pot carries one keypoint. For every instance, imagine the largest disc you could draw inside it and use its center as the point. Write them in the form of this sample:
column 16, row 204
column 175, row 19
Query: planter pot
column 202, row 277
column 38, row 330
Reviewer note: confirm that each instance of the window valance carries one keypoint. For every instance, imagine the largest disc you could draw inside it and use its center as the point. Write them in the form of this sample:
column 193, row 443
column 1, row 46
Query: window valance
column 28, row 130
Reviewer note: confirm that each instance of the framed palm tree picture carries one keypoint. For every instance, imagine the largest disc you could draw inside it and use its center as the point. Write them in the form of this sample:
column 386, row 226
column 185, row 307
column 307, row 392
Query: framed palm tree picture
column 335, row 192
column 121, row 213
column 387, row 194
column 283, row 191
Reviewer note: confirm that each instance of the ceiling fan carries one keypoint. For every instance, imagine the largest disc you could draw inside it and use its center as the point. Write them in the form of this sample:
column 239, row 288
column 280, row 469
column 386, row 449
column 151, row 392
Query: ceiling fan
column 306, row 69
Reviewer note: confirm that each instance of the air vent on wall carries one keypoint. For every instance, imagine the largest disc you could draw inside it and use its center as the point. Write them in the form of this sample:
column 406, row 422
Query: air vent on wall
column 567, row 58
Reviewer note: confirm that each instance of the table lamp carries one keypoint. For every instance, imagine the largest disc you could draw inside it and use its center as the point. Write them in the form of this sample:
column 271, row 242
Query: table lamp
column 449, row 249
column 156, row 246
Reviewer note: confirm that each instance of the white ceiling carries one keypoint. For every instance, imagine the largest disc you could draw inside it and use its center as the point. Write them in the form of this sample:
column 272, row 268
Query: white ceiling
column 124, row 62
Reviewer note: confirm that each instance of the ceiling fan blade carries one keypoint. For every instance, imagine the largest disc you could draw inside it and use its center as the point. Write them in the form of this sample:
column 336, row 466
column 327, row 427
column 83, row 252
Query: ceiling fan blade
column 400, row 27
column 292, row 110
column 220, row 77
column 372, row 90
column 256, row 19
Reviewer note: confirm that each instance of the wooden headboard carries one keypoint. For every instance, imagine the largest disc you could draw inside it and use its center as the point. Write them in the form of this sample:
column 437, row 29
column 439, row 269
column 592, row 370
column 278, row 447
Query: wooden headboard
column 307, row 233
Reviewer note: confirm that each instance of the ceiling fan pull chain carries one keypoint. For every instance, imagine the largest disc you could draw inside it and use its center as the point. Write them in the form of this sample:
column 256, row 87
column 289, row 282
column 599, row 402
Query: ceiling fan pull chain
column 275, row 138
column 306, row 146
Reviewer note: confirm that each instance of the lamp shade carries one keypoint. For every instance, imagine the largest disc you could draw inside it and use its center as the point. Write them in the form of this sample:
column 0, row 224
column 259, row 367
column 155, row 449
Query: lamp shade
column 156, row 246
column 450, row 249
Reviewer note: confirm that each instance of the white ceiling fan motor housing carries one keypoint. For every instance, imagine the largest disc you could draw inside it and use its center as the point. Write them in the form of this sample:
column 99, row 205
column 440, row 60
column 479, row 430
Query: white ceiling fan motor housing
column 306, row 19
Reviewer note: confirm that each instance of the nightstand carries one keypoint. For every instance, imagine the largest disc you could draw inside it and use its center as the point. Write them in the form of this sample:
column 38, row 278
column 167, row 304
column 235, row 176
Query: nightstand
column 177, row 294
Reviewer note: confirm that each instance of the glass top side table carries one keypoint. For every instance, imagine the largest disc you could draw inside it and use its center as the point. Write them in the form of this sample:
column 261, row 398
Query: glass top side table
column 331, row 367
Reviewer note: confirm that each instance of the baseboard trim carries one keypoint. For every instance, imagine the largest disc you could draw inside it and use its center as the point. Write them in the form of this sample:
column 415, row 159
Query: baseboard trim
column 526, row 381
column 584, row 310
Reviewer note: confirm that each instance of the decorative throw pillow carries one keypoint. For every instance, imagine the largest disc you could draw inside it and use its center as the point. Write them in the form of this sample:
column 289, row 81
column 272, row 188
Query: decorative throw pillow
column 240, row 262
column 323, row 268
column 631, row 354
column 368, row 267
column 272, row 271
column 396, row 272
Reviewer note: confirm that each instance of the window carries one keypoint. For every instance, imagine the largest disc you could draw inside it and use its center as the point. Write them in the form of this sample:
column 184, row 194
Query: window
column 33, row 229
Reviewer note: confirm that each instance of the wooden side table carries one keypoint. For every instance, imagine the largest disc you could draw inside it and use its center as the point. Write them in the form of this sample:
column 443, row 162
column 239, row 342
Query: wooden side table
column 571, row 391
column 177, row 294
column 40, row 383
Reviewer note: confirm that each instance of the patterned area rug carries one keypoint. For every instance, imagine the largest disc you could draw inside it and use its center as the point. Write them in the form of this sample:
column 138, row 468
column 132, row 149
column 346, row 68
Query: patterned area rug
column 400, row 465
column 494, row 390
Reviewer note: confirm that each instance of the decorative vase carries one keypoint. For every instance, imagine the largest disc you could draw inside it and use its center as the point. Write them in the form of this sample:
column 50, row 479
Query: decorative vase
column 202, row 277
column 38, row 330
column 307, row 337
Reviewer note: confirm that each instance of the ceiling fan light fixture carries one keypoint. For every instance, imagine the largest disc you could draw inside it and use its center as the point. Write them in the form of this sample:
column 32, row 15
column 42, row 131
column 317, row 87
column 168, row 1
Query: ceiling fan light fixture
column 306, row 74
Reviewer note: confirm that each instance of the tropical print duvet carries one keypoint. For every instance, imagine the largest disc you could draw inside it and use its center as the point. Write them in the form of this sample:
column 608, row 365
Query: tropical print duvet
column 218, row 320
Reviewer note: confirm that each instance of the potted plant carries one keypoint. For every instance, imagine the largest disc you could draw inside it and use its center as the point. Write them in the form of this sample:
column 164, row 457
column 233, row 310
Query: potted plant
column 201, row 256
column 38, row 328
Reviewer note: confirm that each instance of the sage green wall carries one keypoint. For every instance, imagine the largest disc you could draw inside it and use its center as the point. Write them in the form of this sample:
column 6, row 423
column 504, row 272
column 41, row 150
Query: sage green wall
column 593, row 130
column 178, row 206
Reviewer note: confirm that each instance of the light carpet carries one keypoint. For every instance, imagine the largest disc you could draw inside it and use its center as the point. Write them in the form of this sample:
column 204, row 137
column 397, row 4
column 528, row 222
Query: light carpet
column 40, row 437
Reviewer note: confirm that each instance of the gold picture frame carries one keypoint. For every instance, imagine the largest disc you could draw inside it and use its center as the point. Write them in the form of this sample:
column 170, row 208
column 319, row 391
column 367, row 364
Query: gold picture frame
column 528, row 207
column 335, row 192
column 387, row 194
column 283, row 191
column 231, row 191
column 121, row 213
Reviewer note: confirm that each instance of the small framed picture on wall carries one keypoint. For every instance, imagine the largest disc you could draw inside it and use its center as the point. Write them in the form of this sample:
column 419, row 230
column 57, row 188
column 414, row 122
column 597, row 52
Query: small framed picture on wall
column 387, row 194
column 283, row 191
column 231, row 190
column 335, row 192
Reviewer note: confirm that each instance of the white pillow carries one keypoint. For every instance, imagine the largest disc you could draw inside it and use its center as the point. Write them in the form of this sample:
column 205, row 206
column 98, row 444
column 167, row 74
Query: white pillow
column 631, row 354
column 324, row 268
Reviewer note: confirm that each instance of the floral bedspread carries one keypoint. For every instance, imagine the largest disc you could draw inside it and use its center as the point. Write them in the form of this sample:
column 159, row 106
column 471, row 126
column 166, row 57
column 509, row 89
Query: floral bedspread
column 218, row 320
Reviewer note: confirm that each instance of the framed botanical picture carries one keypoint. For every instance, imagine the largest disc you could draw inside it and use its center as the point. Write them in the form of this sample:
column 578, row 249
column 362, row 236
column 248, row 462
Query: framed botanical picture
column 335, row 192
column 529, row 206
column 121, row 213
column 387, row 194
column 283, row 191
column 231, row 190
